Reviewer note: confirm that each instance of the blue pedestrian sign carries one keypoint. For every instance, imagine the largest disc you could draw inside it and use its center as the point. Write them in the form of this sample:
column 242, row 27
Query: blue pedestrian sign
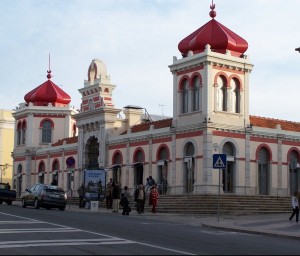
column 219, row 161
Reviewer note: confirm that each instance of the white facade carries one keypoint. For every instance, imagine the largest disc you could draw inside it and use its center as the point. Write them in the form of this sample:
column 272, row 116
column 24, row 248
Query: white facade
column 210, row 116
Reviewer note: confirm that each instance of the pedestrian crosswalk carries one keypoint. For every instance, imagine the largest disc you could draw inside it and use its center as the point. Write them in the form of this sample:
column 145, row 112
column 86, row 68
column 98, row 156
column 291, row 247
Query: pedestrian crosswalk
column 49, row 234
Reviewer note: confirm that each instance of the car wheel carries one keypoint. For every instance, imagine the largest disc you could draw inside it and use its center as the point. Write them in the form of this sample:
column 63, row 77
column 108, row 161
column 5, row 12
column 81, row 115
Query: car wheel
column 9, row 202
column 23, row 203
column 36, row 204
column 62, row 208
column 1, row 202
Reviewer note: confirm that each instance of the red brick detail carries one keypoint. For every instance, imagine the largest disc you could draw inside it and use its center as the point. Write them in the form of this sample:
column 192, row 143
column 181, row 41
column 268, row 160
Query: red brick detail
column 229, row 70
column 162, row 140
column 21, row 158
column 71, row 153
column 112, row 147
column 139, row 143
column 229, row 134
column 55, row 155
column 189, row 135
column 190, row 70
column 49, row 115
column 263, row 140
column 291, row 143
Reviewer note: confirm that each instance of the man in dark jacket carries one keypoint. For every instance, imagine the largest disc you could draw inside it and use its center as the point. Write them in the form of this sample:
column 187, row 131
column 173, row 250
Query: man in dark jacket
column 81, row 192
column 140, row 197
column 116, row 195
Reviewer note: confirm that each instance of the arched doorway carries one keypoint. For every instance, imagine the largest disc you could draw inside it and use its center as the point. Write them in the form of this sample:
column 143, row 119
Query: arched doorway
column 189, row 168
column 138, row 167
column 294, row 172
column 92, row 153
column 117, row 167
column 41, row 172
column 70, row 162
column 55, row 169
column 19, row 180
column 228, row 173
column 162, row 170
column 263, row 171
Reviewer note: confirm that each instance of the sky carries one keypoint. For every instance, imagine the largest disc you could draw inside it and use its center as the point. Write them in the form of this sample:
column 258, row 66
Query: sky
column 137, row 40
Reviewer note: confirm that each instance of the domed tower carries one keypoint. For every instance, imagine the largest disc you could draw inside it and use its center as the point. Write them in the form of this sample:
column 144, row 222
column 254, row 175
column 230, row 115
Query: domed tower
column 211, row 80
column 97, row 91
column 97, row 117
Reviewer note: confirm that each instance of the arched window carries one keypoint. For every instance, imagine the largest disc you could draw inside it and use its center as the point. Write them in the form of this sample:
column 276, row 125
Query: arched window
column 222, row 94
column 235, row 92
column 41, row 172
column 294, row 171
column 74, row 130
column 19, row 131
column 185, row 96
column 46, row 132
column 23, row 132
column 189, row 167
column 228, row 174
column 196, row 94
column 263, row 171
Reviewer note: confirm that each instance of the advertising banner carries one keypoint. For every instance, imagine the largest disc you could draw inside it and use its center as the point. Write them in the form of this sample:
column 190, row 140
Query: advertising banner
column 94, row 182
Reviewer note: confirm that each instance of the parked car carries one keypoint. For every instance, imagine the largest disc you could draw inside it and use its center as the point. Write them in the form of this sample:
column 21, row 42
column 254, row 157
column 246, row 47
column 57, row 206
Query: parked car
column 6, row 194
column 46, row 196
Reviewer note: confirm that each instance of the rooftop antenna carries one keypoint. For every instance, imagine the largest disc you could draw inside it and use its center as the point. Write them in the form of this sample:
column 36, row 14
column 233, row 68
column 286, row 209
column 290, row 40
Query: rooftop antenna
column 162, row 108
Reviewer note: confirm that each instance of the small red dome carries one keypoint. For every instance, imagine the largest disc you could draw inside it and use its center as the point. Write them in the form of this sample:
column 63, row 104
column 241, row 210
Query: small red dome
column 219, row 37
column 46, row 93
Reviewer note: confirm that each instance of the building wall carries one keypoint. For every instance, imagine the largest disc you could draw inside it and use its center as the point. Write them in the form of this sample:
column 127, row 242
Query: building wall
column 6, row 144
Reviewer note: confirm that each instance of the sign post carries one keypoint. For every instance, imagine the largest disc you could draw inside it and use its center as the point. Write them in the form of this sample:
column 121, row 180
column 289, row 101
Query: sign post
column 219, row 162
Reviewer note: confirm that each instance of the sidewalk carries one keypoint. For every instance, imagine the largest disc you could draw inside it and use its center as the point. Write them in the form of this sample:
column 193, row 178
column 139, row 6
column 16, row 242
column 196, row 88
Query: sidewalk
column 270, row 224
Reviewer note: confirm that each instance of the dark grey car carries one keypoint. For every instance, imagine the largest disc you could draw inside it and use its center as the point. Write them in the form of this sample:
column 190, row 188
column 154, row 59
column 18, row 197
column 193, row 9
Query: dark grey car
column 46, row 196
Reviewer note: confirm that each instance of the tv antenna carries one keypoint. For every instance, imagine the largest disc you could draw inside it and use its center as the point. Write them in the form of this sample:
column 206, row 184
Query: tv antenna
column 162, row 108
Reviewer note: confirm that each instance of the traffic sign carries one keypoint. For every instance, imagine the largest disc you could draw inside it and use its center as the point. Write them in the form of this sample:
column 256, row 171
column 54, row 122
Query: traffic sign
column 219, row 161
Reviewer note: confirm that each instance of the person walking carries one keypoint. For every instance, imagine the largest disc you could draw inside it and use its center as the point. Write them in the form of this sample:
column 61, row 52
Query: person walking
column 139, row 197
column 295, row 205
column 153, row 198
column 151, row 182
column 81, row 192
column 116, row 194
column 108, row 194
column 125, row 197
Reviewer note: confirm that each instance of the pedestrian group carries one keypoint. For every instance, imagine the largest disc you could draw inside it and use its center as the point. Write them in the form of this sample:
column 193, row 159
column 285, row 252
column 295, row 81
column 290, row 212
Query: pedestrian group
column 115, row 197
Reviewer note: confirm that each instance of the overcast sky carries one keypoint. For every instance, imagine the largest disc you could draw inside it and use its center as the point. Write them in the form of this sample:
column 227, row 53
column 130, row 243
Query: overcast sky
column 137, row 40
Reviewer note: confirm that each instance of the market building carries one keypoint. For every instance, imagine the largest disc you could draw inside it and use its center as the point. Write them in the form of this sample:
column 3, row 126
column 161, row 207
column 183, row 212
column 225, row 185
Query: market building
column 211, row 85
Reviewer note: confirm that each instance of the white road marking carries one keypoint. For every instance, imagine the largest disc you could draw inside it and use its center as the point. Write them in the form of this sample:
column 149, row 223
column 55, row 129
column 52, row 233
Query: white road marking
column 110, row 240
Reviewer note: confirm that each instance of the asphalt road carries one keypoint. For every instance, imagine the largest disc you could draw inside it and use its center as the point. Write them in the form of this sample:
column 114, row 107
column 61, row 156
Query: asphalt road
column 50, row 232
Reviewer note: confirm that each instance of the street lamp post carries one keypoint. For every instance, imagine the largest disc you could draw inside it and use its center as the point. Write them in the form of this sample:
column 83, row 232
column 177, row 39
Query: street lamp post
column 3, row 167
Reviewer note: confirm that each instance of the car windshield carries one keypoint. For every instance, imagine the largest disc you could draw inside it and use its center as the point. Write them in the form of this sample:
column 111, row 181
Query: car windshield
column 52, row 187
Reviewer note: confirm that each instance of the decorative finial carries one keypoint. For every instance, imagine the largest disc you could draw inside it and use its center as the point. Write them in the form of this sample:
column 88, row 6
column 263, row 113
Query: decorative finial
column 212, row 13
column 49, row 71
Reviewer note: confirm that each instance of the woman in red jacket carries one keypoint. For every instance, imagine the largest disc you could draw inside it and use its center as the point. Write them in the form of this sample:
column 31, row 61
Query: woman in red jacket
column 154, row 198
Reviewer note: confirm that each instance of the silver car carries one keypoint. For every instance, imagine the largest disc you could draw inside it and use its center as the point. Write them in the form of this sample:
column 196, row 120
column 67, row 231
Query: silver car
column 46, row 196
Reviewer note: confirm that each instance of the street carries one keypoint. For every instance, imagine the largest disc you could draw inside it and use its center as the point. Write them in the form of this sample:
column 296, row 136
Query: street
column 50, row 232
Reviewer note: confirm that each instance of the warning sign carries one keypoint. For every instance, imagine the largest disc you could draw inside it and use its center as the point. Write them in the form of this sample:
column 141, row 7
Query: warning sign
column 219, row 161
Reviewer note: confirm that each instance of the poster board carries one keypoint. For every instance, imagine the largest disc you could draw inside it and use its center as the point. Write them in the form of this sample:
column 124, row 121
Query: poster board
column 93, row 180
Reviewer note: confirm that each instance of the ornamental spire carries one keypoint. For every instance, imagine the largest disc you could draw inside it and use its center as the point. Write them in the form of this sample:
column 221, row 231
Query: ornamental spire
column 49, row 71
column 212, row 13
